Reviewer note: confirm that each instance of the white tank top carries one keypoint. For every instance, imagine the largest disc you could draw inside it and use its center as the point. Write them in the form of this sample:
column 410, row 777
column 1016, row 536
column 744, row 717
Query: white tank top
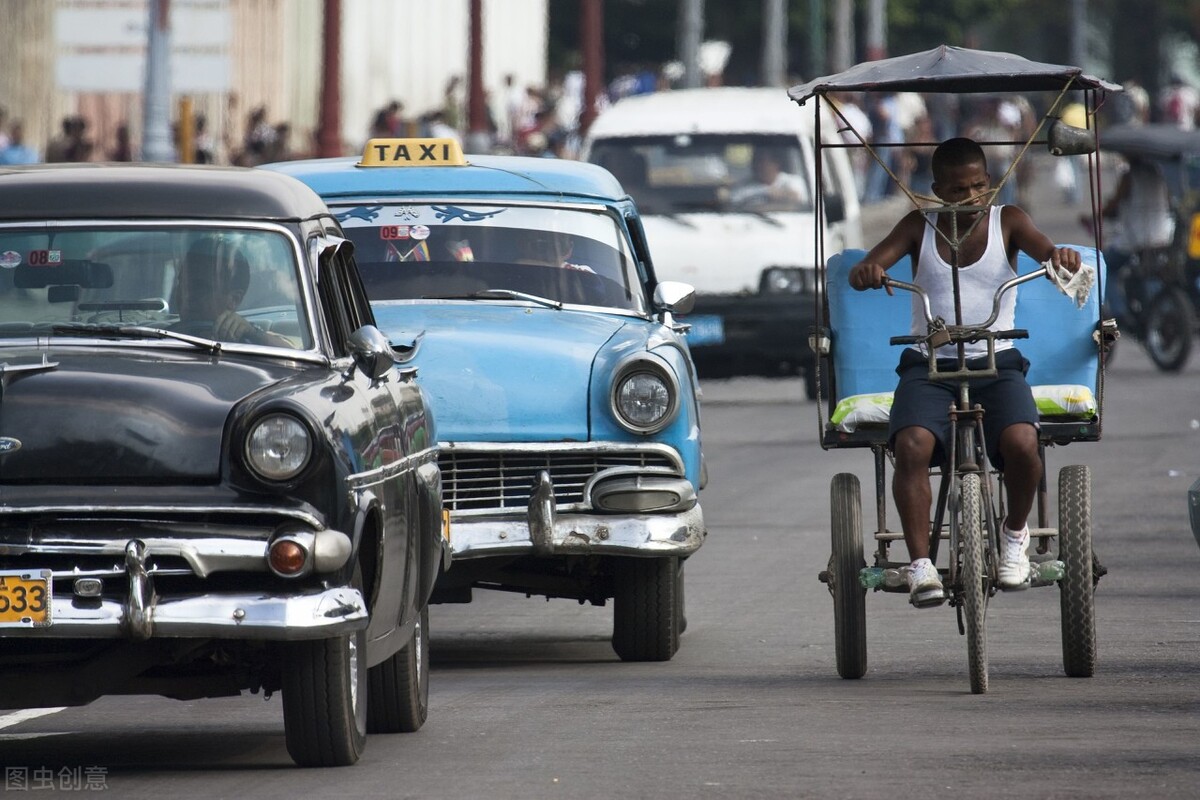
column 977, row 284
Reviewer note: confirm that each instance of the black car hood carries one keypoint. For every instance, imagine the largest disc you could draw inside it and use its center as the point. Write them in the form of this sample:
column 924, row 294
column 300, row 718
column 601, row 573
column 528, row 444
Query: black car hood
column 119, row 415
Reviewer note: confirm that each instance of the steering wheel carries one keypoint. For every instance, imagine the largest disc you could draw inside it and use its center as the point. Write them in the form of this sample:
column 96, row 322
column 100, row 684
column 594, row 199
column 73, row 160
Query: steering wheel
column 195, row 327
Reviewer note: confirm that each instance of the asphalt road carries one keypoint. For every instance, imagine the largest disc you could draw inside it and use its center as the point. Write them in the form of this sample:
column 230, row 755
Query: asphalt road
column 528, row 700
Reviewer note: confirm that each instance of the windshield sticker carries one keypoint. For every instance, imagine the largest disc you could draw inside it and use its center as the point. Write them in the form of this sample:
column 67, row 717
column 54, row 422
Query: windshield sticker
column 365, row 213
column 45, row 258
column 10, row 259
column 419, row 232
column 393, row 232
column 452, row 213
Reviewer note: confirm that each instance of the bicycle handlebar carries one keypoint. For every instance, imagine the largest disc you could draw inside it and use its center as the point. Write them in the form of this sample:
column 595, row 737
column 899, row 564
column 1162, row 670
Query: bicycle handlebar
column 964, row 333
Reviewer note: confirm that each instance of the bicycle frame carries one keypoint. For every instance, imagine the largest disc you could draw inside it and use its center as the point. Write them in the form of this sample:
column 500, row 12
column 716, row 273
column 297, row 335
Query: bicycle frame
column 968, row 455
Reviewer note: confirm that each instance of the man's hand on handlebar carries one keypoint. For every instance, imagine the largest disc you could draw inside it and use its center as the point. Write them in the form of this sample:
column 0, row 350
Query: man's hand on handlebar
column 867, row 275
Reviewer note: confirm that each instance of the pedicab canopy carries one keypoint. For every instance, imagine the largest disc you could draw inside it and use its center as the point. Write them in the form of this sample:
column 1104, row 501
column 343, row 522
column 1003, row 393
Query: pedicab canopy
column 952, row 69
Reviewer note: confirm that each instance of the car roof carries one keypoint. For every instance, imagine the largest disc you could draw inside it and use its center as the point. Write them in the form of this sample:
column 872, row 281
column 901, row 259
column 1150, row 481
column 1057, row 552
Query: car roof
column 721, row 110
column 524, row 177
column 153, row 191
column 1162, row 140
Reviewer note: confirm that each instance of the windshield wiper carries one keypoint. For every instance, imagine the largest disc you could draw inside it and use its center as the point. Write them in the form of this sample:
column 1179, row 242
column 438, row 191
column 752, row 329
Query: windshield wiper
column 499, row 294
column 134, row 332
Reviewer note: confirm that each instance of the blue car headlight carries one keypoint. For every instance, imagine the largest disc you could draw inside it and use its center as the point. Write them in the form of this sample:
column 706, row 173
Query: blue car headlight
column 645, row 396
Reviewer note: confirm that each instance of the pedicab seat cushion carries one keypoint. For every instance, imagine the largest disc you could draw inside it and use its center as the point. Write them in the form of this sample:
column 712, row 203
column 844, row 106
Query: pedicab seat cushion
column 1061, row 348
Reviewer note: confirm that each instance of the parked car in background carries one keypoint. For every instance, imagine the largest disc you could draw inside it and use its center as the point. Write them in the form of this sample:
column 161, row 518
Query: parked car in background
column 563, row 386
column 217, row 477
column 726, row 182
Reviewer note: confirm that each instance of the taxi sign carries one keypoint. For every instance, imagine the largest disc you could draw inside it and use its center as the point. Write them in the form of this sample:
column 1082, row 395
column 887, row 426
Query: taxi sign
column 444, row 152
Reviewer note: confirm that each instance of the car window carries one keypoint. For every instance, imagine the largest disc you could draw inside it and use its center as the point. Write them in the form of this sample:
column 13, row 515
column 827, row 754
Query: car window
column 439, row 250
column 710, row 172
column 179, row 278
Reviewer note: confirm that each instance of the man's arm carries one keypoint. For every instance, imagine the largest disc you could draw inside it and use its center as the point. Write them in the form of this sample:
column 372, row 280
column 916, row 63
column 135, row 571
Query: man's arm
column 903, row 240
column 1024, row 235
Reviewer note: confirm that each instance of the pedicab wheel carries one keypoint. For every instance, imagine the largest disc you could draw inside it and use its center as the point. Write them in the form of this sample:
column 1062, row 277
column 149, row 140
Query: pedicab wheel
column 646, row 611
column 1077, row 586
column 1170, row 327
column 849, row 596
column 974, row 581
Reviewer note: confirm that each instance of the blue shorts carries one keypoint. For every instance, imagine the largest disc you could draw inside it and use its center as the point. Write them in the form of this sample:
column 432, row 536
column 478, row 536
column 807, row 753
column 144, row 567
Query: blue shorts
column 1006, row 400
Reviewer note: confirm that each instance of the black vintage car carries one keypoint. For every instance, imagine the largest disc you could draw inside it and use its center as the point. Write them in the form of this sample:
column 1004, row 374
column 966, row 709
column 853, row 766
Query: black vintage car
column 216, row 474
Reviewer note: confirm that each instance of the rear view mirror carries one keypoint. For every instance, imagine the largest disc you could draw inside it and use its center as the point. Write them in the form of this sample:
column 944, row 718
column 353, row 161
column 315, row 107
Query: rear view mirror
column 1067, row 140
column 70, row 272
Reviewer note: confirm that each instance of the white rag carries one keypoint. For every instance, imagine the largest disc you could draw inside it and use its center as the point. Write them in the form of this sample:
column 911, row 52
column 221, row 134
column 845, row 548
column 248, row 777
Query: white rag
column 1076, row 286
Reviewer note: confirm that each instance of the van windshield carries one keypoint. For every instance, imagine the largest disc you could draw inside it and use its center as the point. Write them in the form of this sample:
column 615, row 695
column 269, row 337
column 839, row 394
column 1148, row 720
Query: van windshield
column 716, row 173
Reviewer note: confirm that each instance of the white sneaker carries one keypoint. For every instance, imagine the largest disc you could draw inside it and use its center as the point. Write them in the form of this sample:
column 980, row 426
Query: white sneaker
column 1014, row 561
column 924, row 584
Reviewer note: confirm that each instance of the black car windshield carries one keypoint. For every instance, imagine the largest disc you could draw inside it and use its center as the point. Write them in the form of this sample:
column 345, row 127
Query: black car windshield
column 226, row 284
column 461, row 250
column 718, row 173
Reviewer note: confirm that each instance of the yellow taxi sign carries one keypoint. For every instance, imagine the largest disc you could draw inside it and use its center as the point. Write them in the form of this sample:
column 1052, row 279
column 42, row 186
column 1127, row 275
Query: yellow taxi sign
column 412, row 153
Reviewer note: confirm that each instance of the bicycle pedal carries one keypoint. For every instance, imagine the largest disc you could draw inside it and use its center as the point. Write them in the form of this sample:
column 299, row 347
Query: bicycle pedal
column 1020, row 587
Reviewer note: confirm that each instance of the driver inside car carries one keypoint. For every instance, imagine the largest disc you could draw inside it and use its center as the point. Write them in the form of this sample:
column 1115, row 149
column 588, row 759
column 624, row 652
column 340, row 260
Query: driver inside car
column 548, row 249
column 211, row 286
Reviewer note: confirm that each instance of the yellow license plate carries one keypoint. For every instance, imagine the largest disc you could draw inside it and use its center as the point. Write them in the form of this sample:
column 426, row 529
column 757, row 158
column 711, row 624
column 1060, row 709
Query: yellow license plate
column 25, row 599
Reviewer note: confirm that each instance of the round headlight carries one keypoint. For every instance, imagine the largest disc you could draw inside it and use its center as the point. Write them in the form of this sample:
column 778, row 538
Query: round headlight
column 278, row 447
column 644, row 400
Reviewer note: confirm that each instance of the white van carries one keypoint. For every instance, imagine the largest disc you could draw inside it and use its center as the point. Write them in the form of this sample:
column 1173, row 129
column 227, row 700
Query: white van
column 688, row 158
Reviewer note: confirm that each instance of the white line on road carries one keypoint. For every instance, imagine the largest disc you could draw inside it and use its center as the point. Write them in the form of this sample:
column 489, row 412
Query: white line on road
column 17, row 717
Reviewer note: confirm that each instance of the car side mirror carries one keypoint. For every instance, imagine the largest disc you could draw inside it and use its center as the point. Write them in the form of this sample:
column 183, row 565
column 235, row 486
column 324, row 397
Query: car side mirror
column 675, row 297
column 835, row 207
column 372, row 352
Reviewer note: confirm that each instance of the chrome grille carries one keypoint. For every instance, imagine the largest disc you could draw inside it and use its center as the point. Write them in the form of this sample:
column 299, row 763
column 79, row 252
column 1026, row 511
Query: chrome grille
column 496, row 479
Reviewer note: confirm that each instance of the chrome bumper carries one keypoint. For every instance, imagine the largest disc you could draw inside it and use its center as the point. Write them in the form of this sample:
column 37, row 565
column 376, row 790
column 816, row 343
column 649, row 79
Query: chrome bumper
column 543, row 532
column 317, row 615
column 307, row 613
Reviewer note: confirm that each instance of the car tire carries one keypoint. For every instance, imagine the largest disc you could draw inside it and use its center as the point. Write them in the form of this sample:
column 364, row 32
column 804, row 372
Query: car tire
column 645, row 608
column 398, row 697
column 324, row 700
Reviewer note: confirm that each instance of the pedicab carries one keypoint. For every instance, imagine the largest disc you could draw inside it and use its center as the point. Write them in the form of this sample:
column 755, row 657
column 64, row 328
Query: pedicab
column 1155, row 293
column 1065, row 342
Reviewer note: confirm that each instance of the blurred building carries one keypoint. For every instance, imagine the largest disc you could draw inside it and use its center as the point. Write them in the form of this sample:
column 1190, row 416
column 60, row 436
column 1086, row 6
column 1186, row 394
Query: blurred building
column 406, row 50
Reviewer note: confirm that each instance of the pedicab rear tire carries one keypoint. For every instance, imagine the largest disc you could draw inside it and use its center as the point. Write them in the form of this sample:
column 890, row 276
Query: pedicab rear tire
column 849, row 595
column 1077, row 588
column 1170, row 329
column 974, row 581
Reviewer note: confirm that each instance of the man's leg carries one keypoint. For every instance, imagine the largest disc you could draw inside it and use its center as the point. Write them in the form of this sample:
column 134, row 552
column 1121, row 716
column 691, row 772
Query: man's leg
column 1022, row 474
column 913, row 450
column 913, row 447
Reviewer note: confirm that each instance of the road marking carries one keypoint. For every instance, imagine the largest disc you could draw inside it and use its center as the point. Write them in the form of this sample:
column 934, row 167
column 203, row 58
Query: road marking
column 17, row 717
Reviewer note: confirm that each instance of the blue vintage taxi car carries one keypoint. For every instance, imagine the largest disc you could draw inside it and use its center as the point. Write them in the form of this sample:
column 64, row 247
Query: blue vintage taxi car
column 563, row 387
column 217, row 475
